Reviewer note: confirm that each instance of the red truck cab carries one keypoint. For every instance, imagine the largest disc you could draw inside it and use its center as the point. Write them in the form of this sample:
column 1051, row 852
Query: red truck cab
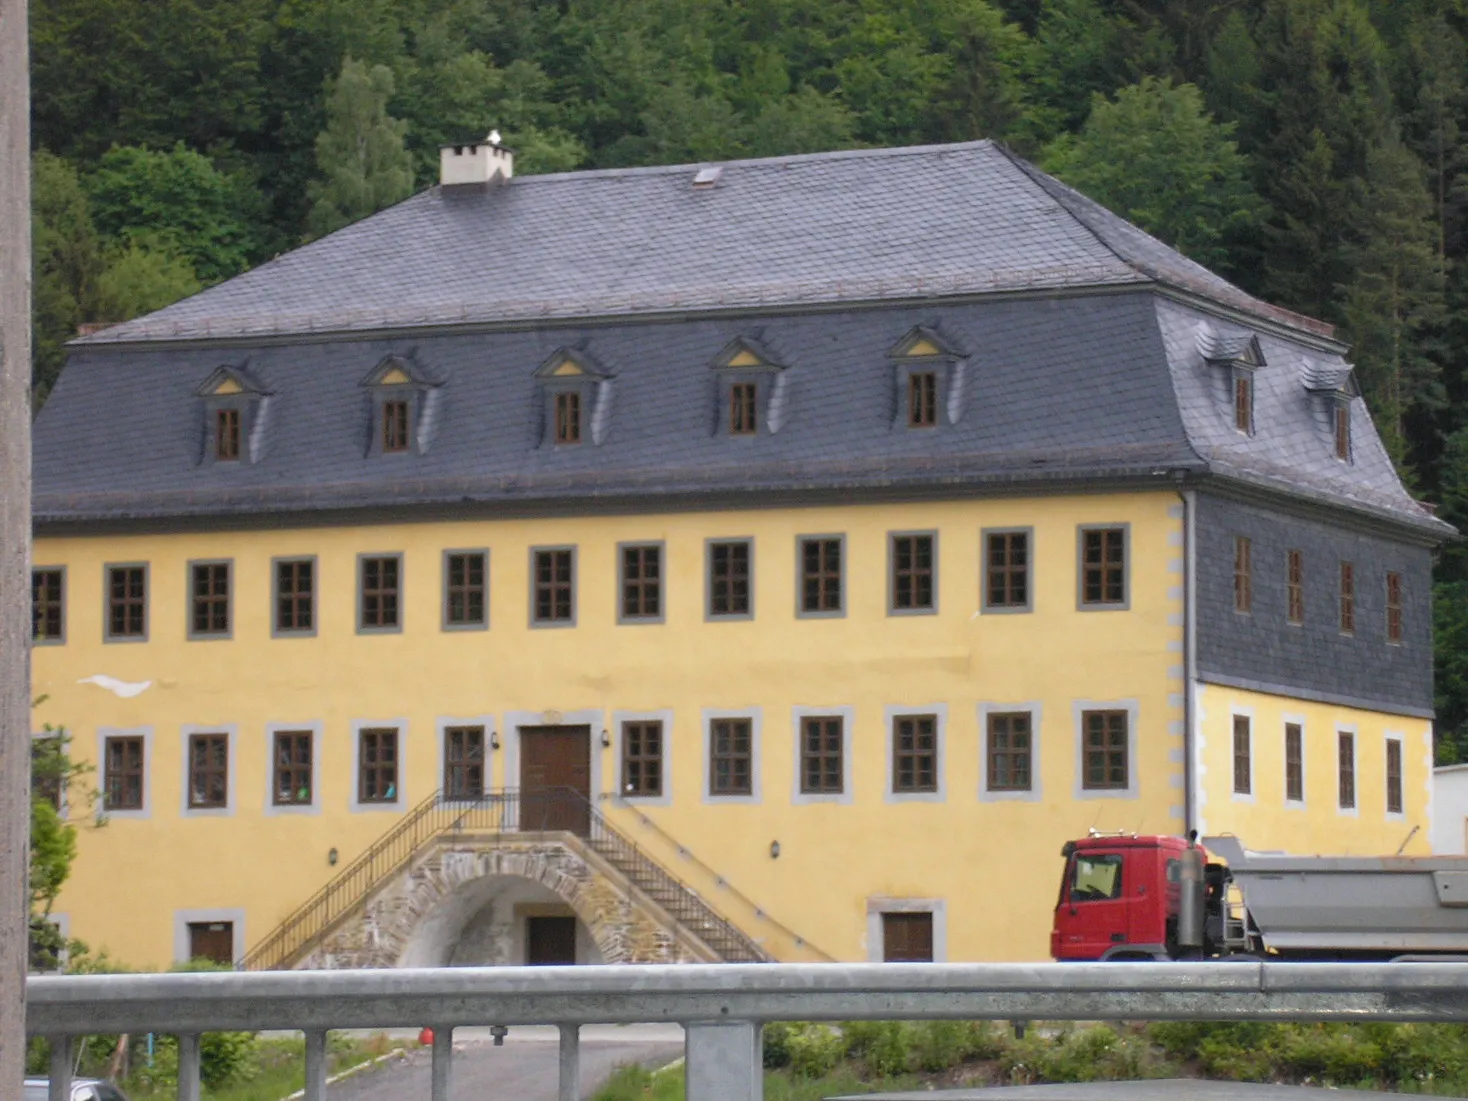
column 1119, row 898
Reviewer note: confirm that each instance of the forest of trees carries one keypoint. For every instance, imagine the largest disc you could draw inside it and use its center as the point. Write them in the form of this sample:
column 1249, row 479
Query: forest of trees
column 1314, row 151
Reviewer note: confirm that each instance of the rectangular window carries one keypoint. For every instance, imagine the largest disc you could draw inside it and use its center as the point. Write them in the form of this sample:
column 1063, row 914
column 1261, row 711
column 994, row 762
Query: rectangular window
column 820, row 756
column 1294, row 763
column 554, row 592
column 227, row 435
column 915, row 753
column 295, row 602
column 48, row 619
column 381, row 593
column 1343, row 432
column 1346, row 758
column 820, row 575
column 642, row 582
column 907, row 938
column 922, row 399
column 1105, row 750
column 291, row 784
column 212, row 941
column 731, row 756
column 1008, row 582
column 1243, row 574
column 209, row 597
column 729, row 577
column 743, row 420
column 1348, row 599
column 465, row 590
column 1393, row 776
column 1103, row 566
column 642, row 759
column 1394, row 607
column 208, row 771
column 377, row 765
column 1244, row 402
column 394, row 425
column 568, row 417
column 912, row 573
column 1243, row 756
column 1009, row 752
column 1295, row 587
column 463, row 762
column 127, row 601
column 47, row 766
column 122, row 780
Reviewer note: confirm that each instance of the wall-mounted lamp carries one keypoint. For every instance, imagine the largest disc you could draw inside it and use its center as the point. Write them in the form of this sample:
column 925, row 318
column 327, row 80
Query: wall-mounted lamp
column 331, row 857
column 494, row 740
column 606, row 740
column 774, row 850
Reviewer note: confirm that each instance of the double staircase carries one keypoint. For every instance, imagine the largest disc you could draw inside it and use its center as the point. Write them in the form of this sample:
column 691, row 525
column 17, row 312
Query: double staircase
column 557, row 813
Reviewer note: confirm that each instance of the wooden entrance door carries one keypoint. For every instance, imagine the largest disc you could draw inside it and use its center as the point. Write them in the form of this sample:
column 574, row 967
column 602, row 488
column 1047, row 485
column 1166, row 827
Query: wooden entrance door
column 550, row 941
column 555, row 761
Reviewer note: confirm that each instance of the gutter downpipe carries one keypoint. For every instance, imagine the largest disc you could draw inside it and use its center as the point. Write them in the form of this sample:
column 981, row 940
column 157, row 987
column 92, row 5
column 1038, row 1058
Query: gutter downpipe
column 1190, row 655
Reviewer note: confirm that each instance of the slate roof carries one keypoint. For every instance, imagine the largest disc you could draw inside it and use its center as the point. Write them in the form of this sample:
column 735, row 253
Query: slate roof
column 1100, row 379
column 868, row 225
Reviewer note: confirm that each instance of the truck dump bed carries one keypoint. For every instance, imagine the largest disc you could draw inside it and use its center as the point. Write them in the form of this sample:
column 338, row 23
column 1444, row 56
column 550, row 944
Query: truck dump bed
column 1378, row 904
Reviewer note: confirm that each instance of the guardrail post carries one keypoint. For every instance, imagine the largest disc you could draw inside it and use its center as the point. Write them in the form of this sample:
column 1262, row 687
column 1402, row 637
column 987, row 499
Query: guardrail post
column 443, row 1062
column 61, row 1060
column 724, row 1061
column 315, row 1065
column 188, row 1066
column 570, row 1063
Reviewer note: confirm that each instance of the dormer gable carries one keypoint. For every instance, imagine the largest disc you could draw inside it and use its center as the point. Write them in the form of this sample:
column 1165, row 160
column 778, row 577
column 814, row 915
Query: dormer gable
column 1334, row 388
column 577, row 393
column 235, row 401
column 571, row 365
column 231, row 381
column 403, row 398
column 750, row 389
column 929, row 378
column 1234, row 358
column 398, row 370
column 1220, row 350
column 1337, row 379
column 746, row 353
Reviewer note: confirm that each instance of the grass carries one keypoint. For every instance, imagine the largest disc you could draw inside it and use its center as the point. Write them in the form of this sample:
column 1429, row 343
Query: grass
column 637, row 1084
column 279, row 1070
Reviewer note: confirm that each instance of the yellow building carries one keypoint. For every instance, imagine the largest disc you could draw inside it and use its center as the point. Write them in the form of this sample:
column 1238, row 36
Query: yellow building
column 777, row 559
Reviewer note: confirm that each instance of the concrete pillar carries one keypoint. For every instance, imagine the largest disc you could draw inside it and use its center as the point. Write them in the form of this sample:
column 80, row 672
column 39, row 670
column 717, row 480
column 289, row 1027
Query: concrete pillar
column 188, row 1067
column 62, row 1055
column 570, row 1063
column 315, row 1066
column 723, row 1061
column 443, row 1062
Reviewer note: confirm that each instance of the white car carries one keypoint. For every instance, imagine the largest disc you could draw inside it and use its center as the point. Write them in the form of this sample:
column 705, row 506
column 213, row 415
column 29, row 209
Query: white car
column 82, row 1089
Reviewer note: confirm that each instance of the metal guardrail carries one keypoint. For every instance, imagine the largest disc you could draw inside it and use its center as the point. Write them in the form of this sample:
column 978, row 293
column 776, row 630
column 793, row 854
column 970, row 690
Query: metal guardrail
column 721, row 1007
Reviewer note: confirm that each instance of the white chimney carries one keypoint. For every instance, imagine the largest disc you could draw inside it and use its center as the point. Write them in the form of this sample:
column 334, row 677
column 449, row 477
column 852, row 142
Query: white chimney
column 476, row 164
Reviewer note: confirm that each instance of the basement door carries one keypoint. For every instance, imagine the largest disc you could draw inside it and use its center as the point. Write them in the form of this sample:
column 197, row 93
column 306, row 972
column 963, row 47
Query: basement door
column 555, row 778
column 550, row 941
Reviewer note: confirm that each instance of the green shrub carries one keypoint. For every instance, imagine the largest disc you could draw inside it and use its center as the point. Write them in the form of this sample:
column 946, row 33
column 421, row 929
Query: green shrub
column 775, row 1044
column 814, row 1050
column 943, row 1045
column 885, row 1047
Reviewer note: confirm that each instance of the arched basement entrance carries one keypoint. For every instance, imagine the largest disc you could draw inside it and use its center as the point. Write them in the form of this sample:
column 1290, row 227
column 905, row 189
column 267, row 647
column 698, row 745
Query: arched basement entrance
column 500, row 920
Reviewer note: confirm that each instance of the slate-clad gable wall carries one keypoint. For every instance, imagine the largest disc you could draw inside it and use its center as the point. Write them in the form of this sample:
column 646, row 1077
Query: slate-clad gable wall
column 1314, row 658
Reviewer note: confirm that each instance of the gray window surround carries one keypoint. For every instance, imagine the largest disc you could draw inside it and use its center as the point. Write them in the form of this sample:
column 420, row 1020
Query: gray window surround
column 145, row 733
column 1133, row 712
column 396, row 805
column 107, row 635
column 1245, row 371
column 416, row 397
column 846, row 796
column 708, row 574
column 892, row 537
column 623, row 619
column 59, row 640
column 1400, row 642
column 878, row 905
column 940, row 366
column 755, row 716
column 362, row 560
column 315, row 729
column 1125, row 603
column 800, row 542
column 1401, row 740
column 248, row 405
column 1035, row 792
column 890, row 714
column 552, row 624
column 441, row 726
column 1287, row 720
column 1005, row 609
column 763, row 381
column 444, row 623
column 232, row 741
column 275, row 629
column 208, row 636
column 1333, row 402
column 182, row 919
column 1240, row 711
column 1354, row 810
column 65, row 793
column 619, row 719
column 61, row 922
column 588, row 390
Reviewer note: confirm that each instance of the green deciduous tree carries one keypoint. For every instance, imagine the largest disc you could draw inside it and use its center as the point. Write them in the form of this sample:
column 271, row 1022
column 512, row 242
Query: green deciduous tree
column 144, row 273
column 362, row 163
column 67, row 260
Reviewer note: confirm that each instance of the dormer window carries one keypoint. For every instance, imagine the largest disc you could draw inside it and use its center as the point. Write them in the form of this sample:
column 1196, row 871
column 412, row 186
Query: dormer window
column 1335, row 388
column 929, row 376
column 235, row 404
column 1236, row 357
column 577, row 390
column 748, row 379
column 402, row 396
column 1244, row 402
column 1342, row 431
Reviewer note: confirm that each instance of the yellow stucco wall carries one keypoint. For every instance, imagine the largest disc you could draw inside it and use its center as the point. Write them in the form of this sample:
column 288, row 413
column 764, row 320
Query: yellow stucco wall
column 1264, row 818
column 993, row 865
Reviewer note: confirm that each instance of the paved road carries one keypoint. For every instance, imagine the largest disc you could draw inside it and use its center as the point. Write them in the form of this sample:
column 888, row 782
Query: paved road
column 524, row 1069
